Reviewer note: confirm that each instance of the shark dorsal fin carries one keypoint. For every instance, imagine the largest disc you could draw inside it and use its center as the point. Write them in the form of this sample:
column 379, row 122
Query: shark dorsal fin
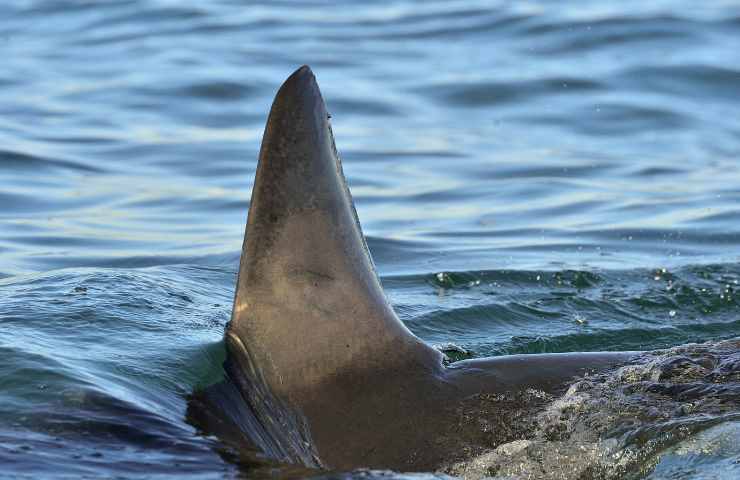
column 309, row 307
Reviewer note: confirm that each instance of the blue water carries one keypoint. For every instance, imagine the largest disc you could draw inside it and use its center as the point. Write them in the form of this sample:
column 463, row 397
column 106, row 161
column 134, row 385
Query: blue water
column 547, row 176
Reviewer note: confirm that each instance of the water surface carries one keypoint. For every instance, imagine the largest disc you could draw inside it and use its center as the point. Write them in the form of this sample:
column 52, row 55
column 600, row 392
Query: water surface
column 542, row 177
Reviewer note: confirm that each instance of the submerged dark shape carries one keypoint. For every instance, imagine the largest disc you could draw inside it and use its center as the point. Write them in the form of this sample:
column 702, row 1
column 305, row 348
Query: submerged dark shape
column 321, row 372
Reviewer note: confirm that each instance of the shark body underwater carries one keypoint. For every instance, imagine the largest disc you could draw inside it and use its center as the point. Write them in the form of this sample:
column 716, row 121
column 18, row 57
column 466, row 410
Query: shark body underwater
column 320, row 371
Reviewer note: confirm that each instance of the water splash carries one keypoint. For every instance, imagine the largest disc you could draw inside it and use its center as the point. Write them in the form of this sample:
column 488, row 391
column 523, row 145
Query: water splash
column 623, row 423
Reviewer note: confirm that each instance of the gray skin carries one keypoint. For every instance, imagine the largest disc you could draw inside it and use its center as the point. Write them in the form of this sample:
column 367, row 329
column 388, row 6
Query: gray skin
column 328, row 374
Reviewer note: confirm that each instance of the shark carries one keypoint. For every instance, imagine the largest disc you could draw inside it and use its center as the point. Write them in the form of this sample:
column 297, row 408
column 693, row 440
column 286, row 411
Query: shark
column 320, row 372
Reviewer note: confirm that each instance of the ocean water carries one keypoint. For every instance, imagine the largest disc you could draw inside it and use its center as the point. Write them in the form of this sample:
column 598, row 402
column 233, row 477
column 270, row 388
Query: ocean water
column 531, row 177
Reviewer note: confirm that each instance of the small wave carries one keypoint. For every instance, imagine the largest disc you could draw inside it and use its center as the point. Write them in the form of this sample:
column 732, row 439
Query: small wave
column 218, row 90
column 486, row 94
column 20, row 161
column 367, row 107
column 578, row 37
column 686, row 79
column 614, row 118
